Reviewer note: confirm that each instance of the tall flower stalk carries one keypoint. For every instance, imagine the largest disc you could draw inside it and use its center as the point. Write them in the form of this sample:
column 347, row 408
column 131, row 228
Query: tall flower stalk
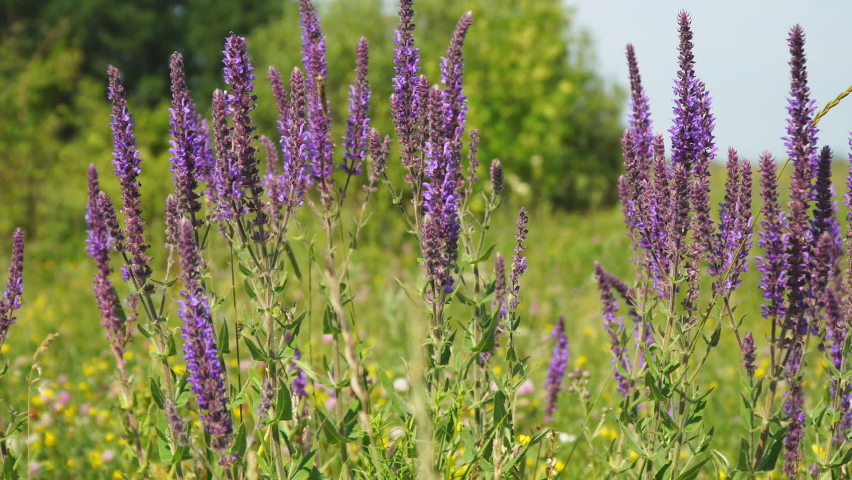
column 202, row 355
column 11, row 300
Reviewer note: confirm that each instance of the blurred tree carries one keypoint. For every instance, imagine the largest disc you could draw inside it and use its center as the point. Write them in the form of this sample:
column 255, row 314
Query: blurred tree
column 139, row 36
column 529, row 76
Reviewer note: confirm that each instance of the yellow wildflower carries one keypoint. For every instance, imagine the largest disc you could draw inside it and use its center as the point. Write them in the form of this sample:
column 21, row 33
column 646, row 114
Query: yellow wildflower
column 49, row 439
column 581, row 360
column 5, row 348
column 524, row 440
column 819, row 451
column 95, row 459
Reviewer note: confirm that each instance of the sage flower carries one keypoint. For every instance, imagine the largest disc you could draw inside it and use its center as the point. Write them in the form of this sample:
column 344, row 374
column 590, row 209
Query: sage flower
column 358, row 125
column 556, row 369
column 202, row 356
column 11, row 300
column 128, row 167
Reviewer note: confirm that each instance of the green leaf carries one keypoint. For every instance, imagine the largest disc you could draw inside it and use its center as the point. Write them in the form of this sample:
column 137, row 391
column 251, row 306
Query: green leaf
column 743, row 463
column 143, row 330
column 486, row 343
column 661, row 473
column 292, row 257
column 330, row 432
column 223, row 341
column 240, row 441
column 249, row 289
column 256, row 352
column 284, row 405
column 164, row 450
column 695, row 470
column 770, row 458
column 485, row 255
column 244, row 269
column 157, row 394
column 400, row 406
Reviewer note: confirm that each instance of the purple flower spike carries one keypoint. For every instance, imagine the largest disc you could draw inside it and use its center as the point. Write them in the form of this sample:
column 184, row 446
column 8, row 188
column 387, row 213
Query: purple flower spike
column 272, row 181
column 692, row 130
column 127, row 168
column 319, row 122
column 434, row 260
column 455, row 101
column 267, row 395
column 292, row 126
column 801, row 147
column 499, row 304
column 207, row 160
column 379, row 152
column 226, row 179
column 556, row 371
column 177, row 425
column 801, row 139
column 300, row 379
column 185, row 150
column 825, row 217
column 773, row 265
column 519, row 262
column 733, row 242
column 202, row 357
column 405, row 102
column 749, row 355
column 100, row 213
column 847, row 198
column 358, row 125
column 692, row 145
column 640, row 113
column 614, row 326
column 11, row 300
column 172, row 218
column 281, row 100
column 240, row 101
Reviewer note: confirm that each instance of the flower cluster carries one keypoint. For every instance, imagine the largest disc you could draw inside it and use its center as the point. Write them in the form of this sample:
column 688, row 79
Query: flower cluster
column 202, row 356
column 556, row 370
column 11, row 300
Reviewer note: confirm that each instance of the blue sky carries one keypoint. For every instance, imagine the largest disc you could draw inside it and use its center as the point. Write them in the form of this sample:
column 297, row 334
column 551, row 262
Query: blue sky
column 741, row 53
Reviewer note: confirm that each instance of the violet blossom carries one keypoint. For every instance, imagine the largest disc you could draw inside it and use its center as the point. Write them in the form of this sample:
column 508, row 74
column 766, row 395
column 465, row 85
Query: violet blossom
column 202, row 356
column 358, row 124
column 556, row 369
column 240, row 103
column 11, row 300
column 614, row 326
column 319, row 122
column 773, row 265
column 405, row 101
column 128, row 167
column 185, row 148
